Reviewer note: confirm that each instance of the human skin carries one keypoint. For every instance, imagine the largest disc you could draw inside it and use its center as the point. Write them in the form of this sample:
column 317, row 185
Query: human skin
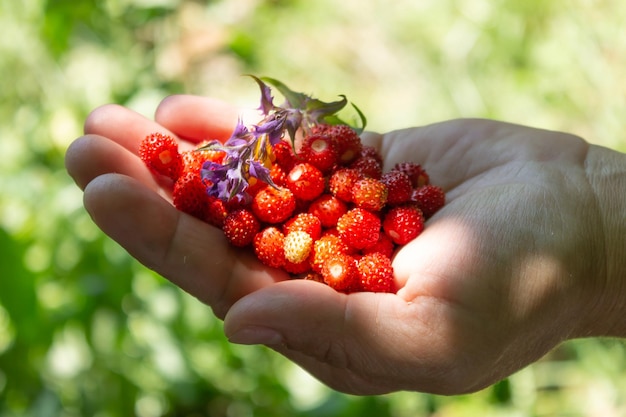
column 529, row 251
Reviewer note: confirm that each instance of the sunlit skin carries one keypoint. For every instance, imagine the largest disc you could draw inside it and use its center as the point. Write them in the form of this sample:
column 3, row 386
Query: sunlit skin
column 527, row 253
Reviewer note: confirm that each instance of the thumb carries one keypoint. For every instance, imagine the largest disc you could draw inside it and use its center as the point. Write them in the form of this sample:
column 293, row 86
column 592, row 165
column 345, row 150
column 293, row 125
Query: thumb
column 361, row 343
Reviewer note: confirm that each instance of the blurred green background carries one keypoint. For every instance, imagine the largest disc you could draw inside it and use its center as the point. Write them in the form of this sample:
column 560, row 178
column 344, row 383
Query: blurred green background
column 86, row 331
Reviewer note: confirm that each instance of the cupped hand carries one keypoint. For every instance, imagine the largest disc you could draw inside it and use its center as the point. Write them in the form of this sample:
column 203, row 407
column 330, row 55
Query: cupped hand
column 498, row 278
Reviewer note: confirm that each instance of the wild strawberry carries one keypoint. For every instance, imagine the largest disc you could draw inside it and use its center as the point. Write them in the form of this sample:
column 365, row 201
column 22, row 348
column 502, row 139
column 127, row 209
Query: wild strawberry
column 328, row 209
column 160, row 153
column 369, row 194
column 284, row 156
column 429, row 198
column 190, row 194
column 324, row 248
column 399, row 187
column 359, row 228
column 305, row 181
column 240, row 227
column 278, row 175
column 273, row 205
column 340, row 272
column 403, row 224
column 347, row 142
column 320, row 151
column 368, row 167
column 375, row 273
column 269, row 248
column 371, row 152
column 384, row 245
column 194, row 159
column 341, row 182
column 216, row 211
column 415, row 172
column 297, row 246
column 303, row 267
column 305, row 222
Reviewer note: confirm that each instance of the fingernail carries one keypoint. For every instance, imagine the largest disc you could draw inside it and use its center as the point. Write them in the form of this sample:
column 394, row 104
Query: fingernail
column 255, row 335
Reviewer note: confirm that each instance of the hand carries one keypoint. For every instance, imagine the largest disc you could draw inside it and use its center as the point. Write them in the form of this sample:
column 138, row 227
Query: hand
column 514, row 264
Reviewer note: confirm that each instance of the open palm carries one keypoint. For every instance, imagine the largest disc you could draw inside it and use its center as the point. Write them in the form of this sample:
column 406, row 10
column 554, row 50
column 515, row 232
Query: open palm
column 493, row 283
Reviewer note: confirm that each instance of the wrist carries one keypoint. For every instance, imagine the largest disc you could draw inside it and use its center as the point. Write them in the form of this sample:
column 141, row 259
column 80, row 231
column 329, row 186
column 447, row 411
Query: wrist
column 606, row 172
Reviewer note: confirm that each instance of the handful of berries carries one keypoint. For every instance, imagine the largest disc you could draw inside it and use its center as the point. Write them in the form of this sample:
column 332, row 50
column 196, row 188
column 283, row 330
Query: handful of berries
column 301, row 191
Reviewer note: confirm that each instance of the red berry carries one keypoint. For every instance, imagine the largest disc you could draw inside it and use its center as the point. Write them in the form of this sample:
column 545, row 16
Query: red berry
column 341, row 183
column 375, row 273
column 319, row 150
column 403, row 224
column 268, row 246
column 305, row 181
column 359, row 228
column 384, row 245
column 328, row 209
column 273, row 205
column 429, row 198
column 160, row 153
column 415, row 172
column 194, row 159
column 240, row 227
column 284, row 155
column 340, row 272
column 190, row 194
column 324, row 248
column 372, row 152
column 216, row 212
column 305, row 222
column 369, row 194
column 368, row 167
column 399, row 187
column 347, row 141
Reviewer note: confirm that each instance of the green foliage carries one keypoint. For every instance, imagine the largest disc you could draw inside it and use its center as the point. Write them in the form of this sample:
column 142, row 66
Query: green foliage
column 86, row 331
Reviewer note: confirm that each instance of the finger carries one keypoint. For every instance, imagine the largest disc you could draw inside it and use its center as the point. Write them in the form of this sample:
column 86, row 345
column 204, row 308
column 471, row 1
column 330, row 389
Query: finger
column 91, row 156
column 121, row 125
column 362, row 343
column 187, row 251
column 198, row 118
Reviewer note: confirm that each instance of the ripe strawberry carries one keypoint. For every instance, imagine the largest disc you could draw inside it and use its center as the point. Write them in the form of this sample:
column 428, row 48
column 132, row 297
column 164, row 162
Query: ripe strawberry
column 268, row 246
column 305, row 222
column 190, row 194
column 273, row 205
column 369, row 194
column 399, row 186
column 359, row 228
column 328, row 209
column 240, row 227
column 429, row 198
column 324, row 248
column 320, row 151
column 368, row 166
column 215, row 212
column 340, row 272
column 384, row 245
column 341, row 182
column 194, row 159
column 278, row 175
column 371, row 152
column 284, row 156
column 305, row 181
column 375, row 273
column 403, row 224
column 160, row 153
column 348, row 142
column 416, row 173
